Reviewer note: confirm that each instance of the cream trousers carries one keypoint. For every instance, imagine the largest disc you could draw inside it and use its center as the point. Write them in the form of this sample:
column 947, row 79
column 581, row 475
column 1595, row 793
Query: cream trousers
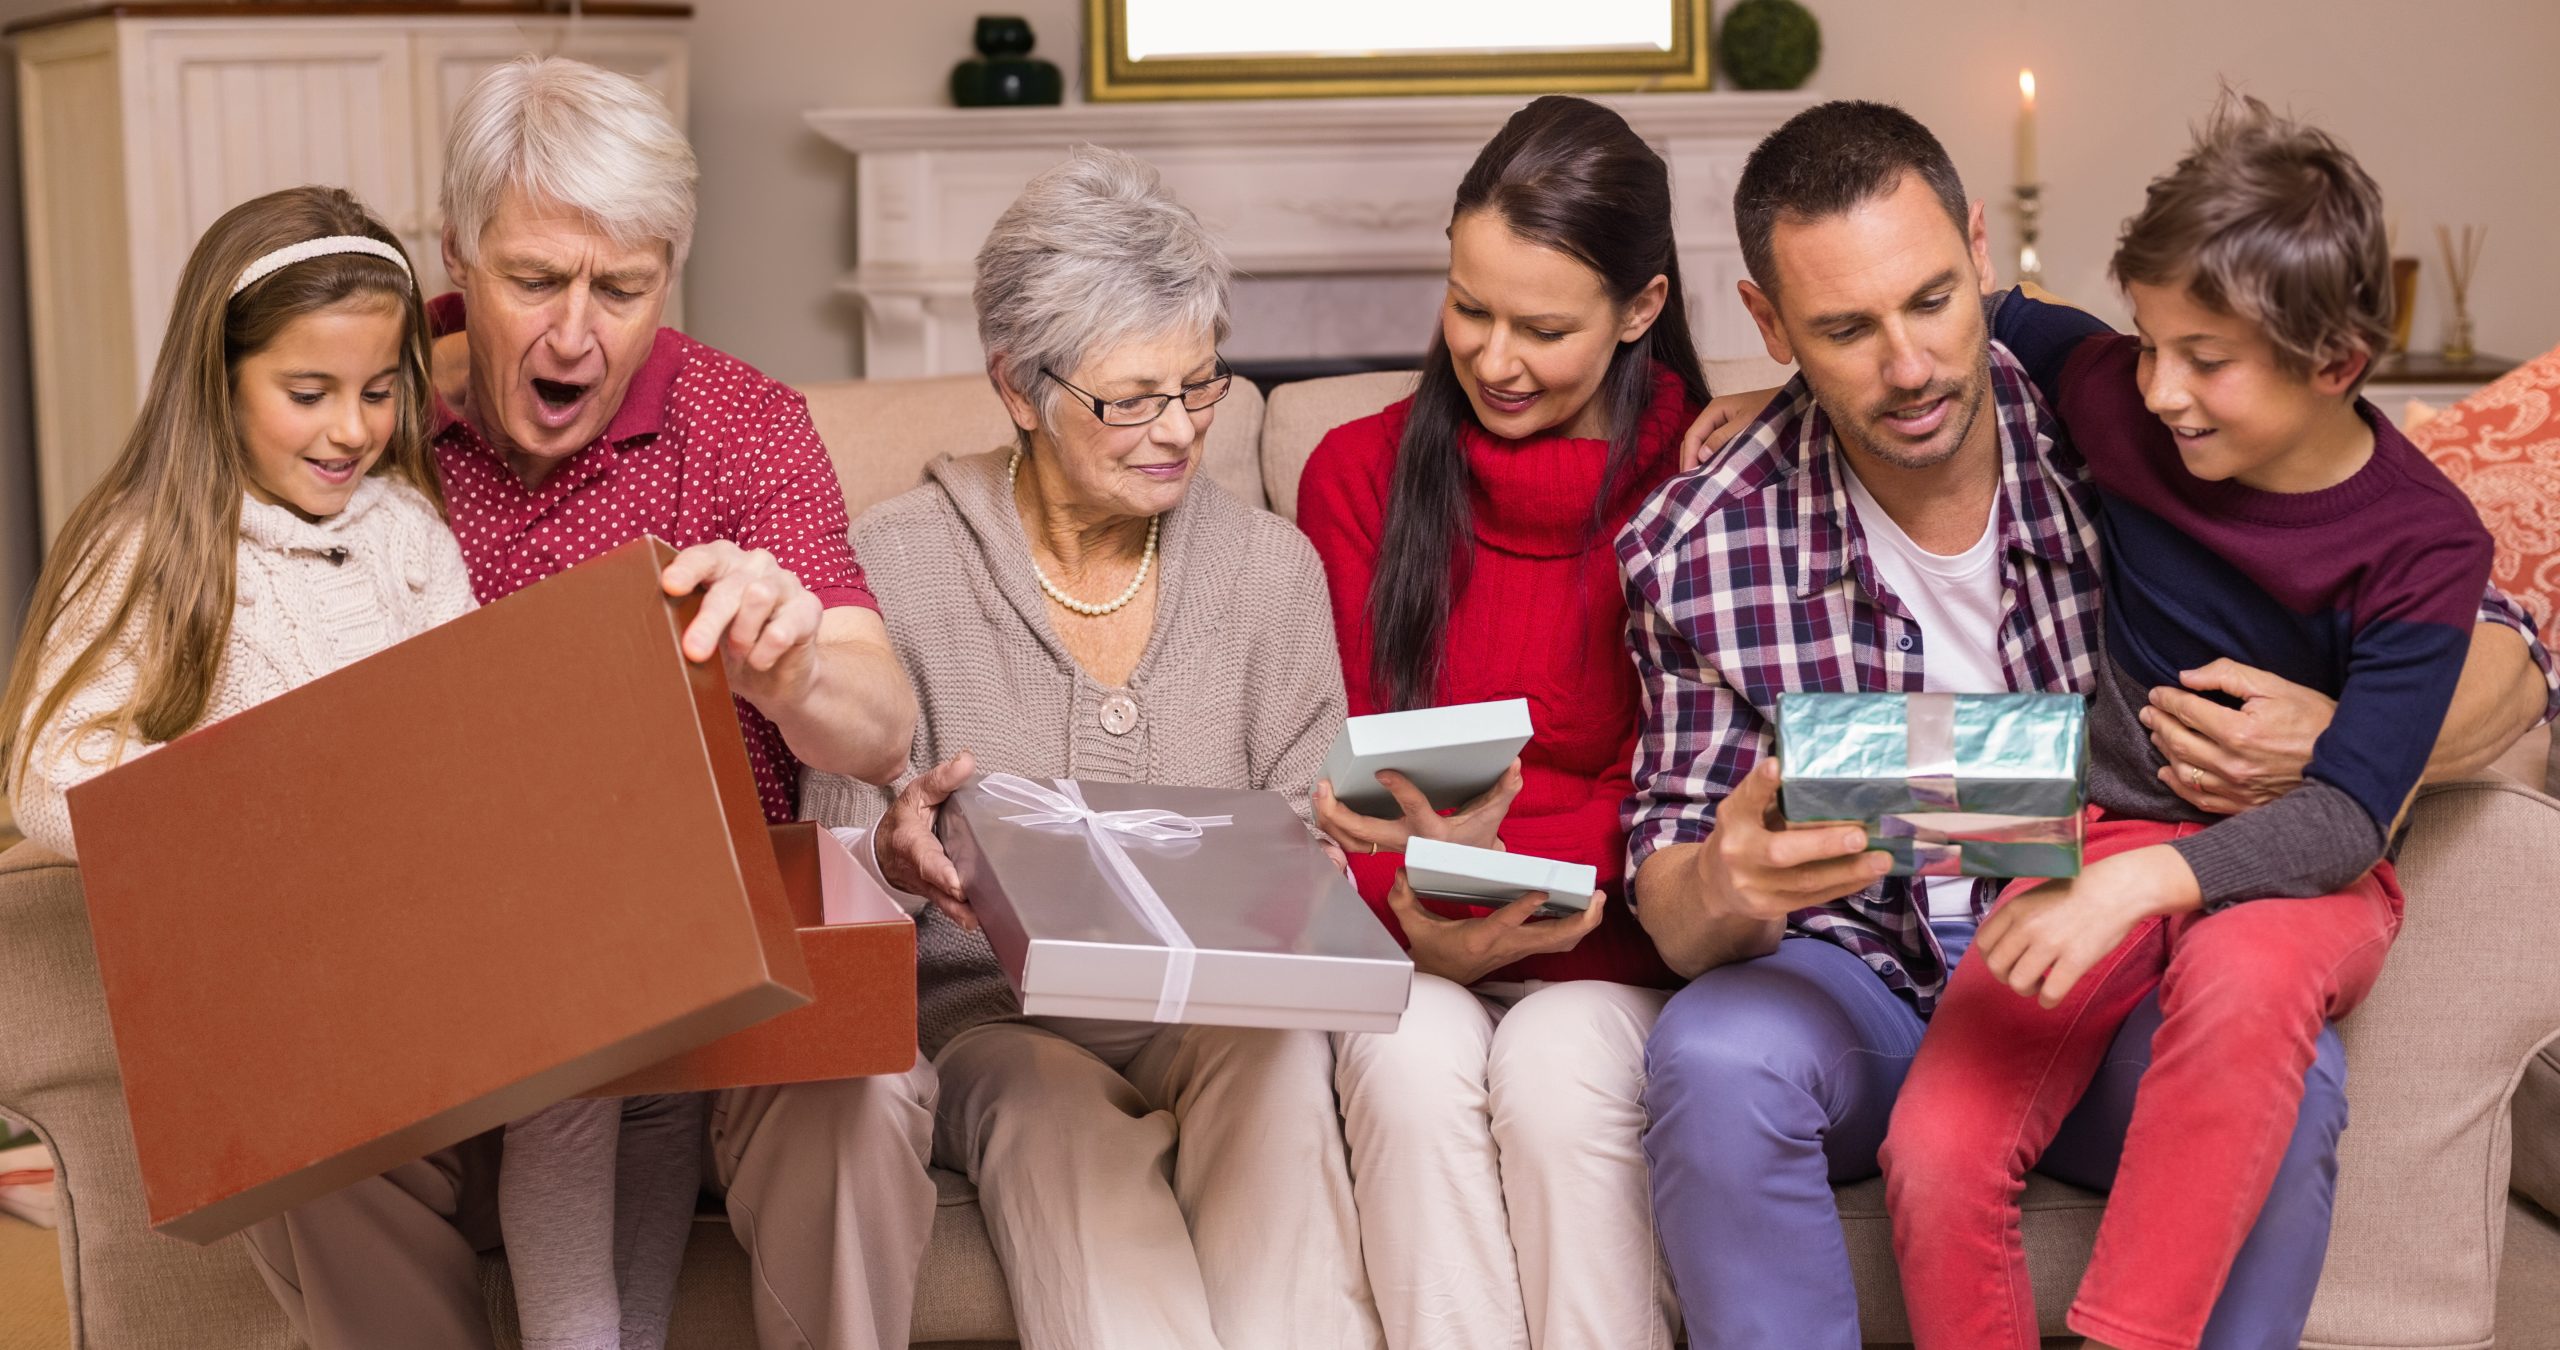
column 1497, row 1157
column 826, row 1188
column 1147, row 1186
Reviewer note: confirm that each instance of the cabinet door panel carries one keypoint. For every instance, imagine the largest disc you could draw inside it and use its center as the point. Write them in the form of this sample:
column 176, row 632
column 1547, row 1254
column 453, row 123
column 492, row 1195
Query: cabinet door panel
column 240, row 114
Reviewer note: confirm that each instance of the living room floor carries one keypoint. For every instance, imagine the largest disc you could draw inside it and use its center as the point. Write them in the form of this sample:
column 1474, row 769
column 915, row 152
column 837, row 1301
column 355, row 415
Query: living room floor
column 32, row 1314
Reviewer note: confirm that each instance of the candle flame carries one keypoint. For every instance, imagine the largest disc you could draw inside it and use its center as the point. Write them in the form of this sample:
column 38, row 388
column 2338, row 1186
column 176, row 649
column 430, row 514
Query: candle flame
column 2027, row 86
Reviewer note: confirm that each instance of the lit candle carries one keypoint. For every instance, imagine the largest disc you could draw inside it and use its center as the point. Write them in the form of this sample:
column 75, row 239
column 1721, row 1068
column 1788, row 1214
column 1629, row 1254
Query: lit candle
column 2026, row 127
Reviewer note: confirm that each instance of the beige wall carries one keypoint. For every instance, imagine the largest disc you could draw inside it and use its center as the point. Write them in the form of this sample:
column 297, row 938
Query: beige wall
column 18, row 550
column 2445, row 100
column 776, row 230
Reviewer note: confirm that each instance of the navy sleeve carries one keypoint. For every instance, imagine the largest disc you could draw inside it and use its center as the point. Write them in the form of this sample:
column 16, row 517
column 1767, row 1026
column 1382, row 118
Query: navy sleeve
column 2042, row 336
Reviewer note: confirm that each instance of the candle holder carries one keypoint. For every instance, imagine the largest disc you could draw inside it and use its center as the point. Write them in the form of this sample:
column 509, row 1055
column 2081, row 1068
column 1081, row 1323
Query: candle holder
column 2030, row 209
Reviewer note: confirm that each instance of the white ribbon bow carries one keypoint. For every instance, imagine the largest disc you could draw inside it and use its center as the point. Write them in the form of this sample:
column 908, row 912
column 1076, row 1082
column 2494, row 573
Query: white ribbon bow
column 1066, row 806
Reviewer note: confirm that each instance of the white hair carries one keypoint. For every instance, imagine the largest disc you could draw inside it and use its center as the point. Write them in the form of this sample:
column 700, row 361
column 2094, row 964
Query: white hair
column 567, row 132
column 1093, row 254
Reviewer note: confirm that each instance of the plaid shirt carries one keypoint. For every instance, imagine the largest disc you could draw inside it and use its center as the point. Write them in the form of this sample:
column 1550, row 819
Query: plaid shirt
column 1749, row 576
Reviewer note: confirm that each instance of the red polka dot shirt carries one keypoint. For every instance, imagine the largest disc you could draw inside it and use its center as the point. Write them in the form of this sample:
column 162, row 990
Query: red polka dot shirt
column 704, row 447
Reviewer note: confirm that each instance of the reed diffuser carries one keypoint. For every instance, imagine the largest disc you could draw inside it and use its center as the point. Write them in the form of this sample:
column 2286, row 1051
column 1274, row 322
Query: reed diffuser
column 2461, row 259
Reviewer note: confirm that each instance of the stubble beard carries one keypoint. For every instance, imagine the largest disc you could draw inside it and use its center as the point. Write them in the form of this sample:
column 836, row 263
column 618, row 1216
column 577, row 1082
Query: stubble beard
column 1867, row 434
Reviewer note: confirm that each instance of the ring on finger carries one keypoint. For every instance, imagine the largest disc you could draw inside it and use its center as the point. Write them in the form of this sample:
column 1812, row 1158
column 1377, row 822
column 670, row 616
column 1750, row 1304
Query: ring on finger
column 2195, row 776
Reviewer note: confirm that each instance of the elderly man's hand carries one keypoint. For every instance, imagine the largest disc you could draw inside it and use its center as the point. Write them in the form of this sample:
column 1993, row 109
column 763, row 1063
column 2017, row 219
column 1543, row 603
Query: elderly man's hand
column 2226, row 760
column 754, row 613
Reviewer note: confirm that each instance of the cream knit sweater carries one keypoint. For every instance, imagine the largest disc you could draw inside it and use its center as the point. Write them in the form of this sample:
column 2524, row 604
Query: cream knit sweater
column 1239, row 686
column 310, row 596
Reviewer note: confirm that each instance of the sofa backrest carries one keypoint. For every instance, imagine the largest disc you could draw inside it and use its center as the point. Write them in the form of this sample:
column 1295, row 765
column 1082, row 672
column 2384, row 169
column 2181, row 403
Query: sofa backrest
column 1300, row 414
column 882, row 433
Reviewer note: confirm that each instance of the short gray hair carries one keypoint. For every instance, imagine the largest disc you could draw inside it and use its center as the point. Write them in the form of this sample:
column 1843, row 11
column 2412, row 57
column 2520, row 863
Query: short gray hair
column 564, row 131
column 1094, row 253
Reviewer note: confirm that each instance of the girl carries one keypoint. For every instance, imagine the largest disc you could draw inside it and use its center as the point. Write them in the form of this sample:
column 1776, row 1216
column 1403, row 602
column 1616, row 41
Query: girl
column 1467, row 538
column 273, row 516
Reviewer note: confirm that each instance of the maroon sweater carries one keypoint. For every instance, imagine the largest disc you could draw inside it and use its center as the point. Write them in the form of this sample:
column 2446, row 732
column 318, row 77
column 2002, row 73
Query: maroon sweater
column 1543, row 616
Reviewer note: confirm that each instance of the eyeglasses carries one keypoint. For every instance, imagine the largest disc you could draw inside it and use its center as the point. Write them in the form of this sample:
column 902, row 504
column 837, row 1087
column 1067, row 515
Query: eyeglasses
column 1138, row 410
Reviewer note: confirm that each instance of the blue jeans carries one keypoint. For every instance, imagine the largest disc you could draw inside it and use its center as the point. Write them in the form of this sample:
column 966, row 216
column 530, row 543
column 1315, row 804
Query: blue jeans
column 1770, row 1081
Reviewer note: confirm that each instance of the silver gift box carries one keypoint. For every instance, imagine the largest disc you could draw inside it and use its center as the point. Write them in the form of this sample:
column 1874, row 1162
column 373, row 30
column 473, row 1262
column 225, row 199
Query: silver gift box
column 1219, row 908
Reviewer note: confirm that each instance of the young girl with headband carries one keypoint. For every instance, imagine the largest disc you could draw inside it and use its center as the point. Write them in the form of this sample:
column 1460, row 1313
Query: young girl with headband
column 274, row 515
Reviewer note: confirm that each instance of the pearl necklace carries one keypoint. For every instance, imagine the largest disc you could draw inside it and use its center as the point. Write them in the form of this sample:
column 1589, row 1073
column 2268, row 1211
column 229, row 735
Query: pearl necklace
column 1093, row 611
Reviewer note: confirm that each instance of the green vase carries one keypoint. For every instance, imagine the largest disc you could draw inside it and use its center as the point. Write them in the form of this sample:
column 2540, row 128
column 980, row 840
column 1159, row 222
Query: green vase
column 1769, row 44
column 1005, row 75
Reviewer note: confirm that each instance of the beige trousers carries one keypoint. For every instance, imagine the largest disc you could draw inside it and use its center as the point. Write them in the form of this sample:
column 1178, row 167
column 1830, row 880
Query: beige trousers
column 1159, row 1188
column 1497, row 1155
column 826, row 1189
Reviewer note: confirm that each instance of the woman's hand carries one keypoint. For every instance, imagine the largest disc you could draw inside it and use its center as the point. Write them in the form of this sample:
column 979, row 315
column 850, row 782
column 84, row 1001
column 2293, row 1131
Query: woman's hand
column 1725, row 417
column 1473, row 824
column 910, row 854
column 1466, row 950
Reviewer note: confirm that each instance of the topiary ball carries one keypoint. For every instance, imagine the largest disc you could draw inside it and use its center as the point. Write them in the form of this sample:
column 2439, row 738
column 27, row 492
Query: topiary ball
column 1770, row 44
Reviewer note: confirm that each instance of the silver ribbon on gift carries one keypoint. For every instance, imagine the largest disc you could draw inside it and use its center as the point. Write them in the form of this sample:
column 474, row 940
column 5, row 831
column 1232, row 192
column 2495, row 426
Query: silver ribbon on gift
column 1940, row 828
column 1930, row 756
column 1103, row 829
column 1938, row 837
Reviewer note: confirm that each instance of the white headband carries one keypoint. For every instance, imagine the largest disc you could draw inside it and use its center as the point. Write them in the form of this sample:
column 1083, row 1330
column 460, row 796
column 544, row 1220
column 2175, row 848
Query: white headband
column 316, row 248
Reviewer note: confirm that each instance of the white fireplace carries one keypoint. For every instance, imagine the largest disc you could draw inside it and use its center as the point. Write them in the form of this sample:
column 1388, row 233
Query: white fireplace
column 1335, row 210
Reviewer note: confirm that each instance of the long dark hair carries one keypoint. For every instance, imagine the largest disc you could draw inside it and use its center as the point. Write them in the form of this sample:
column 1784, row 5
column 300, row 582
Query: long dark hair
column 1572, row 176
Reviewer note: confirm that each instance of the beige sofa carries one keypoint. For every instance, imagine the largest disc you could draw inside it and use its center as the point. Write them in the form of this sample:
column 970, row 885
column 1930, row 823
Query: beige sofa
column 2437, row 1052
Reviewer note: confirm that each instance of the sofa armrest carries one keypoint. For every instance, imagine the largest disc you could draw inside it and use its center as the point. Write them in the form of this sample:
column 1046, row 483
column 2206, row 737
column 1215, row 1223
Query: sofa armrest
column 2433, row 1057
column 2537, row 1127
column 128, row 1286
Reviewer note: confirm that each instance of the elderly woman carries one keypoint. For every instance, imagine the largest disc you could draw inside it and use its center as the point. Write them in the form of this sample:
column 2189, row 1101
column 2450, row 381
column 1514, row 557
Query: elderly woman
column 1083, row 603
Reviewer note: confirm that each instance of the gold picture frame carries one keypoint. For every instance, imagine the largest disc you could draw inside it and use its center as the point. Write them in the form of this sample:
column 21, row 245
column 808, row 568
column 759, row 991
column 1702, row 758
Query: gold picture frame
column 1112, row 76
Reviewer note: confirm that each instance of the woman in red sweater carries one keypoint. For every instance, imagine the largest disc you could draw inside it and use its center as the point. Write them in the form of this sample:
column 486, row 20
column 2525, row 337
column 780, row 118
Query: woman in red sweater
column 1466, row 535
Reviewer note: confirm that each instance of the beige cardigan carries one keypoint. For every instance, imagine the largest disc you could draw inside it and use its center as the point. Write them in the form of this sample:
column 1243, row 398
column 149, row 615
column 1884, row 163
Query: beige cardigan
column 309, row 597
column 1239, row 685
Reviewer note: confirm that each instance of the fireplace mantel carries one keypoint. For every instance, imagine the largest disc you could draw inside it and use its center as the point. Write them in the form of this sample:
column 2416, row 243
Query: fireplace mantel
column 1334, row 209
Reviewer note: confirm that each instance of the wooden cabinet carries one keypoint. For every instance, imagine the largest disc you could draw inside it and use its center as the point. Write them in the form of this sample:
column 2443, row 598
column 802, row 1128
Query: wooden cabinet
column 141, row 125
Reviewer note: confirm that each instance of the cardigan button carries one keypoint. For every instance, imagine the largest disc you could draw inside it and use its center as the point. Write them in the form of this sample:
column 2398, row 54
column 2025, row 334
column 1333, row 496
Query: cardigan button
column 1119, row 714
column 416, row 575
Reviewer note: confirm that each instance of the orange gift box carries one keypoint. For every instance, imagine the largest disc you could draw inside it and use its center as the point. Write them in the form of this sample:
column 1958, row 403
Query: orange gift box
column 861, row 950
column 497, row 865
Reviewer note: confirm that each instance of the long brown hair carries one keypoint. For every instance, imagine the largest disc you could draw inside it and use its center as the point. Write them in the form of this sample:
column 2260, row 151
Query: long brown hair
column 172, row 499
column 1571, row 175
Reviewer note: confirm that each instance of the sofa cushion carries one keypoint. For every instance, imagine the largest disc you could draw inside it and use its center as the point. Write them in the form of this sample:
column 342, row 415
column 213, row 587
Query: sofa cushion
column 2502, row 444
column 1300, row 414
column 881, row 433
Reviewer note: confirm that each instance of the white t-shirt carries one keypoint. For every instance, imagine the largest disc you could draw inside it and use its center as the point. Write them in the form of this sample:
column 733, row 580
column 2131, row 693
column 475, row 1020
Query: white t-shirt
column 1955, row 601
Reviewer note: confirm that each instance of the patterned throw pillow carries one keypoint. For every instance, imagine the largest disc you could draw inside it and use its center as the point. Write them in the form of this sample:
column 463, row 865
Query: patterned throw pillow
column 2502, row 445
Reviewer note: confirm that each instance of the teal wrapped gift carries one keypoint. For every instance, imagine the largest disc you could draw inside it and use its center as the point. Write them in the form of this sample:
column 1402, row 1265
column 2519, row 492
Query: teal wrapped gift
column 1976, row 785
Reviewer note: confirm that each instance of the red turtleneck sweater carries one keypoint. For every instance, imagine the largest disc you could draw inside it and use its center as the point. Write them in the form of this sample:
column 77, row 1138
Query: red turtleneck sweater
column 1542, row 617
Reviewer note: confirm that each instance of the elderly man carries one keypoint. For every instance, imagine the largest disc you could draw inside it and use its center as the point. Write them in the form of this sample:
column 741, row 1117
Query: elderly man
column 1902, row 517
column 569, row 204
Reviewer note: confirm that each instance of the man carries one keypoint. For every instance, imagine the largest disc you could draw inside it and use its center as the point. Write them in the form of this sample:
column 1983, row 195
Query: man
column 569, row 205
column 1902, row 517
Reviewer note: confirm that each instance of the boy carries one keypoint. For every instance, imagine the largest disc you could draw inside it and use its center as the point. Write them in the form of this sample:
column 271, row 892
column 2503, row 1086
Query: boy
column 2257, row 510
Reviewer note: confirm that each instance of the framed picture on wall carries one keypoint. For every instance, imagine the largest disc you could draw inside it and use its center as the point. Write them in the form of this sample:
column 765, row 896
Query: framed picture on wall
column 1176, row 49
